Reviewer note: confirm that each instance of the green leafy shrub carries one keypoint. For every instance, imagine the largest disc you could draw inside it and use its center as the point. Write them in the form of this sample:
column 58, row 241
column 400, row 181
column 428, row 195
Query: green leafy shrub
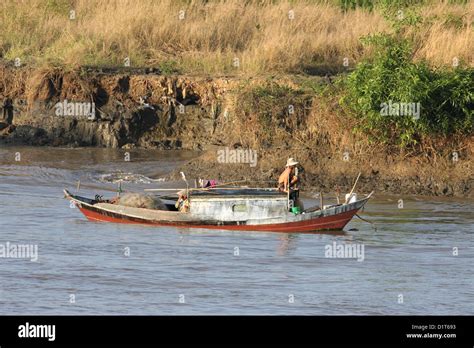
column 446, row 96
column 169, row 67
column 353, row 4
column 370, row 4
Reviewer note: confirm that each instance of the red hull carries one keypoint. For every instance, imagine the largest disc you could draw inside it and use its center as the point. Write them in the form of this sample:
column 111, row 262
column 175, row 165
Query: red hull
column 335, row 222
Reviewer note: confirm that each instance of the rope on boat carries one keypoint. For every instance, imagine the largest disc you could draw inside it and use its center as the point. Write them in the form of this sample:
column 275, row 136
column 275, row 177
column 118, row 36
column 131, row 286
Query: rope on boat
column 370, row 222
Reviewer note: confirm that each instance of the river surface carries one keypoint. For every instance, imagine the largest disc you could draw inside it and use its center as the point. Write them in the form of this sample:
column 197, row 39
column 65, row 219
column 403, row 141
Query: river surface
column 418, row 261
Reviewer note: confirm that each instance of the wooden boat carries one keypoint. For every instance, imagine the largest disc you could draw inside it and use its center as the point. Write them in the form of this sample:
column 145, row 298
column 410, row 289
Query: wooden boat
column 234, row 209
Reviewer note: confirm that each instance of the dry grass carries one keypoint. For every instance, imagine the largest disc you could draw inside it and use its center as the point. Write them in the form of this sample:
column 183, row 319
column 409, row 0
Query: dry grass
column 214, row 33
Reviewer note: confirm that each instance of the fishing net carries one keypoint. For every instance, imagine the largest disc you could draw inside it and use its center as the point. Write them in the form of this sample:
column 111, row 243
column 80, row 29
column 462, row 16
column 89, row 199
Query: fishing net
column 137, row 200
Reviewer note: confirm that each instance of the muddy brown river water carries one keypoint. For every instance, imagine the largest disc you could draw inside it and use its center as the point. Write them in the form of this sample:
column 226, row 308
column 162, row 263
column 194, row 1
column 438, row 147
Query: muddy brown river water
column 419, row 260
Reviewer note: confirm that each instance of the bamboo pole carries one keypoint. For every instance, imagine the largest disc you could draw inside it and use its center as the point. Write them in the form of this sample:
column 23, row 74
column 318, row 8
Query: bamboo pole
column 288, row 195
column 212, row 188
column 353, row 187
column 242, row 188
column 199, row 188
column 224, row 184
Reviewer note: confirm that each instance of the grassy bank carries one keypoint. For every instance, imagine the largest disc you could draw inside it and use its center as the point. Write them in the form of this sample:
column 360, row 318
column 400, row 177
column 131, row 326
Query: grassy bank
column 209, row 36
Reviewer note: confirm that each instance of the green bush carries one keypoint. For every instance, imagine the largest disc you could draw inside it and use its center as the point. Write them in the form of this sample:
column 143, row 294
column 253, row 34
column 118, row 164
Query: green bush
column 446, row 96
column 370, row 4
column 353, row 4
column 169, row 67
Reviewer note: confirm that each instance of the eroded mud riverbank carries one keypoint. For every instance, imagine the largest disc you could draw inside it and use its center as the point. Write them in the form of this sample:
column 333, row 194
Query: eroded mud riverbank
column 143, row 109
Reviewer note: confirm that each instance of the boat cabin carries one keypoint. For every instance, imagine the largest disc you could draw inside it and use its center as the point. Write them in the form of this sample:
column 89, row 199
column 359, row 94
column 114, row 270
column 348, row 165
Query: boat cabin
column 238, row 204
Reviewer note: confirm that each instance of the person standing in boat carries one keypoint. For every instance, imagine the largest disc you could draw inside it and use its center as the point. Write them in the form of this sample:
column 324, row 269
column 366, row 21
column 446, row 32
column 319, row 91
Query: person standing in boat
column 289, row 182
column 182, row 203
